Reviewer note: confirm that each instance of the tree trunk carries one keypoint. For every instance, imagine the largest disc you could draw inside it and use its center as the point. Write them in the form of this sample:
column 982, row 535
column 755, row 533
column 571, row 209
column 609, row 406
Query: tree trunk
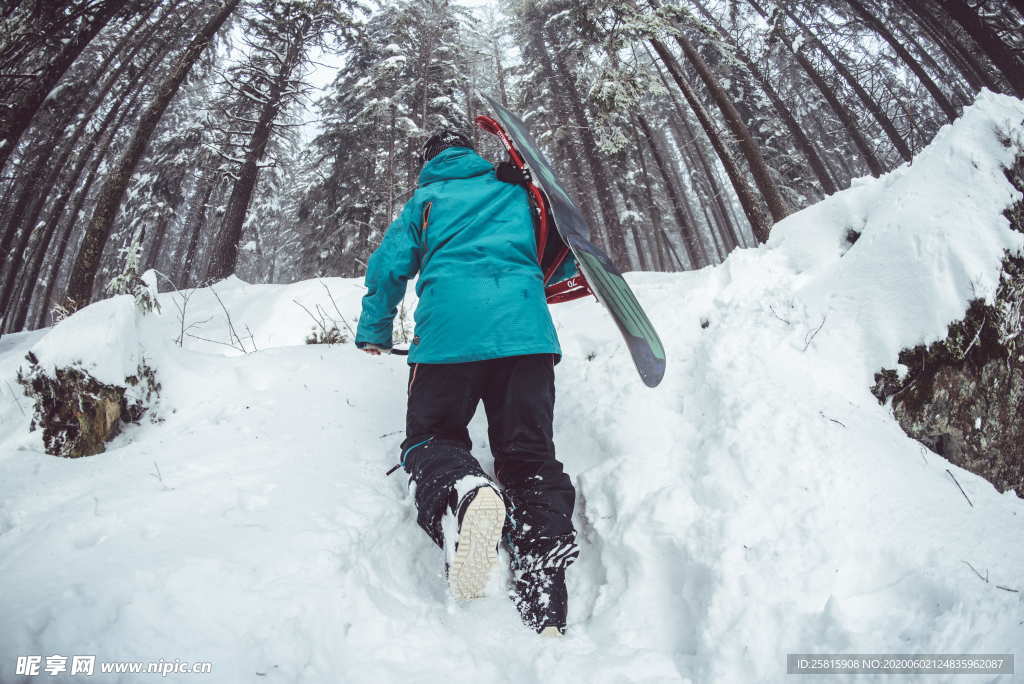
column 37, row 191
column 566, row 146
column 657, row 255
column 695, row 250
column 878, row 27
column 723, row 224
column 69, row 225
column 83, row 274
column 869, row 102
column 158, row 240
column 31, row 188
column 193, row 228
column 602, row 186
column 677, row 167
column 846, row 117
column 760, row 222
column 1000, row 53
column 631, row 204
column 225, row 253
column 957, row 86
column 837, row 151
column 973, row 71
column 499, row 72
column 669, row 248
column 727, row 226
column 800, row 139
column 112, row 122
column 755, row 161
column 33, row 92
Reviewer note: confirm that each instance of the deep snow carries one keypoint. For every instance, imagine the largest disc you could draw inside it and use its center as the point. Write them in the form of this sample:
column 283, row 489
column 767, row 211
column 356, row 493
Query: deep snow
column 759, row 502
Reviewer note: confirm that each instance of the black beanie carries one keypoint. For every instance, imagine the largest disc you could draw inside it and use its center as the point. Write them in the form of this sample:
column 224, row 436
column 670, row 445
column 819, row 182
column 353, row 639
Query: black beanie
column 442, row 140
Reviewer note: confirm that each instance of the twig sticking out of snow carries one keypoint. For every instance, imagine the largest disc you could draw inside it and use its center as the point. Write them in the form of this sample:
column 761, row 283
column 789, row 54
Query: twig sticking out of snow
column 327, row 335
column 983, row 578
column 185, row 330
column 303, row 307
column 231, row 326
column 234, row 340
column 159, row 477
column 207, row 339
column 331, row 296
column 977, row 335
column 960, row 488
column 809, row 337
column 252, row 338
column 774, row 313
column 182, row 308
column 837, row 422
column 400, row 321
column 15, row 397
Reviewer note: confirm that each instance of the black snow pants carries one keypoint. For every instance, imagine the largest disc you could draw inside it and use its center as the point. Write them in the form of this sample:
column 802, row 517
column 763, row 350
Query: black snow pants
column 518, row 393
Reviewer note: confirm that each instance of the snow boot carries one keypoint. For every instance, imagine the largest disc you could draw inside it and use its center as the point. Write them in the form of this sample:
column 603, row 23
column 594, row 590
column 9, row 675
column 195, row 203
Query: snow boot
column 473, row 552
column 542, row 600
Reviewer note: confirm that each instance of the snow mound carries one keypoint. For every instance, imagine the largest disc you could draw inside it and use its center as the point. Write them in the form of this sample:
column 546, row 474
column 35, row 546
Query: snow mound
column 759, row 502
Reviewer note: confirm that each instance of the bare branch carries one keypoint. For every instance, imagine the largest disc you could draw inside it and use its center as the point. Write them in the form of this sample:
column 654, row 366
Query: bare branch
column 808, row 338
column 231, row 326
column 15, row 397
column 983, row 578
column 331, row 296
column 959, row 487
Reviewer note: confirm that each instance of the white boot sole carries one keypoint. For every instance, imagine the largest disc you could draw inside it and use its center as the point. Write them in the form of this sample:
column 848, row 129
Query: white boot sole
column 477, row 551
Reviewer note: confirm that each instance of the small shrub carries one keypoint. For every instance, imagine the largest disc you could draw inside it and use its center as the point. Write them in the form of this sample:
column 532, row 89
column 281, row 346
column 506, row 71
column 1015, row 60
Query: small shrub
column 326, row 336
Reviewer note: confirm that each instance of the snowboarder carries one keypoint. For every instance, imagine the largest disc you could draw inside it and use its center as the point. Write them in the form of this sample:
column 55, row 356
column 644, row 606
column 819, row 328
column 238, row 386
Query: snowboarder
column 483, row 332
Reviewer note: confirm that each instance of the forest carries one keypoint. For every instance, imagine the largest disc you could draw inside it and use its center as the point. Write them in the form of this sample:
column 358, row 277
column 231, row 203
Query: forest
column 789, row 428
column 277, row 139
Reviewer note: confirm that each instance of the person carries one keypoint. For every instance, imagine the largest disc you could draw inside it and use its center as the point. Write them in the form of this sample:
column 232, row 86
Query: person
column 483, row 332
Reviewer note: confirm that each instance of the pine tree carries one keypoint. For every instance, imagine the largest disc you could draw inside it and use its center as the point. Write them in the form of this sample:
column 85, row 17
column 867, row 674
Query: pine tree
column 401, row 82
column 280, row 35
column 83, row 274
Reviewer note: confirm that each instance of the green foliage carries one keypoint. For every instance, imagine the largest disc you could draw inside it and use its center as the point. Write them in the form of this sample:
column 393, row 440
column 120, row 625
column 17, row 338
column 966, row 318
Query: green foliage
column 129, row 282
column 326, row 336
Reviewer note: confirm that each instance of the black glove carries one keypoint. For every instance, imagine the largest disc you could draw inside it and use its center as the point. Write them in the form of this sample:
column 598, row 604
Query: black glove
column 510, row 173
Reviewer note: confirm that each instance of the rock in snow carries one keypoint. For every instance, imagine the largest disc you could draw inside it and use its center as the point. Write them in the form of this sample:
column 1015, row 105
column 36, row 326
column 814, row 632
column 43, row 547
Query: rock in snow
column 759, row 502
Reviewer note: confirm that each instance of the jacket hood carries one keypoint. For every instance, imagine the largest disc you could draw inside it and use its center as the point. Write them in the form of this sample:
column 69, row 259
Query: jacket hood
column 454, row 162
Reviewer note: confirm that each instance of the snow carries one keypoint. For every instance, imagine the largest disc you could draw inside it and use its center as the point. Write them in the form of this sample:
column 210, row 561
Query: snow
column 394, row 62
column 759, row 502
column 108, row 327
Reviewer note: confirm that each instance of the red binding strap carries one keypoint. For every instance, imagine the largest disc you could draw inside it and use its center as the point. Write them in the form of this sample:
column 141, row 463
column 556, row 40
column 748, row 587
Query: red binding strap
column 491, row 126
column 563, row 291
column 567, row 290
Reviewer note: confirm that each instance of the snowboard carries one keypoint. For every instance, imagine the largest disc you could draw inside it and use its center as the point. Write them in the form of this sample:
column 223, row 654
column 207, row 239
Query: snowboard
column 599, row 274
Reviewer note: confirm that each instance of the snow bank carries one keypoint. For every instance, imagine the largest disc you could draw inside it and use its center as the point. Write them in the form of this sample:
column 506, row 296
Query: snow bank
column 759, row 502
column 103, row 339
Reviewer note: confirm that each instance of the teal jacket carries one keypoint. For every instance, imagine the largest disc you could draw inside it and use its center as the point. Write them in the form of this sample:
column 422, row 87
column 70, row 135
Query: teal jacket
column 471, row 238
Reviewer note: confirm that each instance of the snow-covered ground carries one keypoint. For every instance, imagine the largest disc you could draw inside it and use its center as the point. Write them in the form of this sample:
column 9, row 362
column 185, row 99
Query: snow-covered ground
column 759, row 502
